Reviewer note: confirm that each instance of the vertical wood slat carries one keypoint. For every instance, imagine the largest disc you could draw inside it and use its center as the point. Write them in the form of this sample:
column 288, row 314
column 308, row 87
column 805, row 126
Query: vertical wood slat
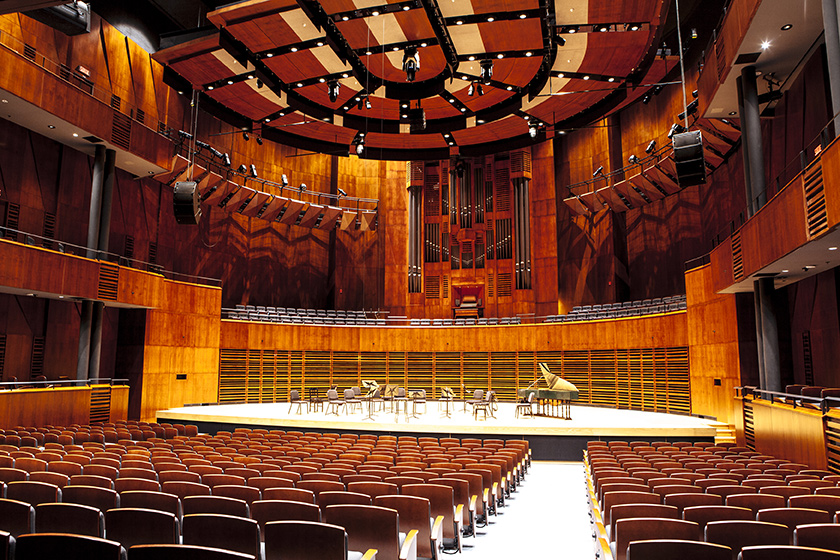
column 653, row 379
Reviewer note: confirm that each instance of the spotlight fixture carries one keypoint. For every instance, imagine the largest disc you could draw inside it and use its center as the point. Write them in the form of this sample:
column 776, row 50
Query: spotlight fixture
column 259, row 83
column 253, row 171
column 332, row 88
column 657, row 89
column 471, row 89
column 486, row 71
column 185, row 135
column 226, row 160
column 691, row 108
column 201, row 144
column 646, row 99
column 302, row 187
column 341, row 192
column 651, row 147
column 242, row 169
column 693, row 32
column 532, row 131
column 634, row 160
column 695, row 94
column 360, row 147
column 259, row 141
column 599, row 171
column 411, row 63
column 676, row 128
column 216, row 153
column 480, row 90
column 284, row 180
column 367, row 103
column 561, row 42
column 246, row 136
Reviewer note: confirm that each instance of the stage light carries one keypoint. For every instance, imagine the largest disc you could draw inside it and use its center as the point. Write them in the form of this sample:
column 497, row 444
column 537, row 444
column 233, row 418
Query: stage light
column 646, row 99
column 332, row 87
column 651, row 147
column 411, row 63
column 341, row 192
column 471, row 90
column 480, row 90
column 302, row 187
column 253, row 171
column 532, row 131
column 486, row 71
column 185, row 135
column 245, row 136
column 201, row 144
column 284, row 180
column 226, row 160
column 259, row 83
column 367, row 103
column 561, row 42
column 634, row 160
column 676, row 128
column 599, row 171
column 242, row 169
column 695, row 94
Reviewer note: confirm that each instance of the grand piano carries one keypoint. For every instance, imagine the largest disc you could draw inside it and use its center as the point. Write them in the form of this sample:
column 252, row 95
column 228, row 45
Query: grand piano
column 554, row 401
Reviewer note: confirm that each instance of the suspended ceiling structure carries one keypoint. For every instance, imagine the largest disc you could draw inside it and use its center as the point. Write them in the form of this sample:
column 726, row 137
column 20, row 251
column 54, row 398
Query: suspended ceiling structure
column 417, row 79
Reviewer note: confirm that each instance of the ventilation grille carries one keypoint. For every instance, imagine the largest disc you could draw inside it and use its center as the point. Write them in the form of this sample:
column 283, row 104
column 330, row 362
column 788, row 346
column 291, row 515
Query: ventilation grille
column 109, row 281
column 129, row 247
column 432, row 198
column 29, row 51
column 140, row 116
column 116, row 102
column 232, row 375
column 152, row 252
column 491, row 285
column 36, row 364
column 49, row 228
column 505, row 282
column 2, row 354
column 12, row 220
column 445, row 286
column 815, row 212
column 466, row 255
column 807, row 365
column 749, row 425
column 100, row 403
column 832, row 441
column 502, row 190
column 432, row 287
column 737, row 257
column 121, row 131
column 520, row 164
column 415, row 173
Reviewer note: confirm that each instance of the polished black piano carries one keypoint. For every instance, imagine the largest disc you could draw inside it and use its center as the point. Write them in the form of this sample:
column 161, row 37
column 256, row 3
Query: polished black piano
column 556, row 400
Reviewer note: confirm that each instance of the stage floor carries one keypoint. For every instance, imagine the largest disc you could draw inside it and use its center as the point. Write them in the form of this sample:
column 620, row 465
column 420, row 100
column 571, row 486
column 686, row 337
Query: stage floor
column 587, row 422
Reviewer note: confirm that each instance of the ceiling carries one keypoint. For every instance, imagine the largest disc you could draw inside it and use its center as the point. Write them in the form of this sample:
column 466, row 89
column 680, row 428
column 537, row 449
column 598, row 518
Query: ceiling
column 268, row 65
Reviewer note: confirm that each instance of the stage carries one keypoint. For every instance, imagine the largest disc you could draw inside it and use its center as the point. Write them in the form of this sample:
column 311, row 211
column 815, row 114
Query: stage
column 550, row 438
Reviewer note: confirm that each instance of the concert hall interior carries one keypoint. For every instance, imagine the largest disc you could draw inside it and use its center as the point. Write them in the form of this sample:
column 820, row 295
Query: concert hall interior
column 214, row 213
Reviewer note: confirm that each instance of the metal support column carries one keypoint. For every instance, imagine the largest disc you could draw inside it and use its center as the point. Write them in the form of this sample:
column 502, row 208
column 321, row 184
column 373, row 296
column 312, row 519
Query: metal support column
column 751, row 135
column 831, row 25
column 770, row 336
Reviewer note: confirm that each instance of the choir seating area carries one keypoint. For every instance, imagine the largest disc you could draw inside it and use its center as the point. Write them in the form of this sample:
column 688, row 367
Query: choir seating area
column 621, row 309
column 668, row 500
column 251, row 493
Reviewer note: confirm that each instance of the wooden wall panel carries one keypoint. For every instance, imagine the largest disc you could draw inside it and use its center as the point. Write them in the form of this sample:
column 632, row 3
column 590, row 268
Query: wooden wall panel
column 544, row 230
column 787, row 433
column 813, row 314
column 713, row 342
column 182, row 337
column 40, row 407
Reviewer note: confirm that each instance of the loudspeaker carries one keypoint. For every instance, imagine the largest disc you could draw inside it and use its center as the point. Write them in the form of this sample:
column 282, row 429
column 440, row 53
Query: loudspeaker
column 688, row 158
column 185, row 203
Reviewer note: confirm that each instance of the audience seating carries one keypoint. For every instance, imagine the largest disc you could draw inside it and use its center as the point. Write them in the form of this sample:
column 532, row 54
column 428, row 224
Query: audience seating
column 239, row 534
column 374, row 527
column 305, row 540
column 184, row 552
column 671, row 549
column 69, row 518
column 769, row 552
column 67, row 547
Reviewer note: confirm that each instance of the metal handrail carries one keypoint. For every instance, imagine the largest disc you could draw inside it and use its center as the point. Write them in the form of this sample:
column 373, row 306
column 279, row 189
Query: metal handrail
column 51, row 244
column 789, row 398
column 50, row 383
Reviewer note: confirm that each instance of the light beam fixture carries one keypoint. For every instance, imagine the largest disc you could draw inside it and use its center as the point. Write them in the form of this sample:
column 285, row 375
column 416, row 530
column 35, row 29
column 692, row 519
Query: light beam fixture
column 332, row 88
column 486, row 71
column 599, row 171
column 651, row 147
column 411, row 63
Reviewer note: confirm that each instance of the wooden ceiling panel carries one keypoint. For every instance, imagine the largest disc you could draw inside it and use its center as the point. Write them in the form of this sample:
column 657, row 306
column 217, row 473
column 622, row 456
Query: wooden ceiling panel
column 414, row 24
column 389, row 66
column 405, row 141
column 491, row 97
column 265, row 33
column 513, row 35
column 293, row 67
column 495, row 6
column 624, row 12
column 613, row 54
column 516, row 71
column 188, row 49
column 249, row 9
column 244, row 100
column 202, row 69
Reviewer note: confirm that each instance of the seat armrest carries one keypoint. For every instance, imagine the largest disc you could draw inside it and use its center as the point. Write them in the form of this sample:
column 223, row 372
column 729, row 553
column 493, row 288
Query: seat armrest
column 485, row 497
column 459, row 521
column 437, row 532
column 473, row 499
column 496, row 489
column 370, row 554
column 409, row 546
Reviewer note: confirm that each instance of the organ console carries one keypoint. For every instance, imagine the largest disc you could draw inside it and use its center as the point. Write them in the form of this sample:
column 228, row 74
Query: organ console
column 556, row 400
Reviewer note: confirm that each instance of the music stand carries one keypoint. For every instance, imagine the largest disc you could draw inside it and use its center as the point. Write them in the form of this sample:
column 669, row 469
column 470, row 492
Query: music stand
column 447, row 395
column 371, row 386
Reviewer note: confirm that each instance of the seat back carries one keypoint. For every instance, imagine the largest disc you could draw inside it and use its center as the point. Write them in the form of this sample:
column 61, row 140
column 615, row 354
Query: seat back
column 646, row 528
column 738, row 534
column 669, row 549
column 160, row 501
column 704, row 514
column 131, row 526
column 304, row 540
column 414, row 513
column 782, row 552
column 792, row 516
column 373, row 489
column 291, row 494
column 368, row 527
column 16, row 517
column 33, row 492
column 818, row 535
column 822, row 502
column 183, row 489
column 69, row 518
column 215, row 504
column 94, row 496
column 441, row 501
column 331, row 498
column 223, row 531
column 624, row 511
column 67, row 547
column 626, row 497
column 266, row 511
column 184, row 552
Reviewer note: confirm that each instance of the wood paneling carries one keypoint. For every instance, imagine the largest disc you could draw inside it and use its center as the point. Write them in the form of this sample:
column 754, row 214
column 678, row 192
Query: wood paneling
column 713, row 339
column 788, row 433
column 39, row 407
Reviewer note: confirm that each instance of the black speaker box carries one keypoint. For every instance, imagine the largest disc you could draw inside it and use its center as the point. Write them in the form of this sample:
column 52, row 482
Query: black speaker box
column 688, row 158
column 185, row 203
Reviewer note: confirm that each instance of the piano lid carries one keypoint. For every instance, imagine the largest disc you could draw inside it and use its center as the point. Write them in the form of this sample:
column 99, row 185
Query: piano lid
column 555, row 381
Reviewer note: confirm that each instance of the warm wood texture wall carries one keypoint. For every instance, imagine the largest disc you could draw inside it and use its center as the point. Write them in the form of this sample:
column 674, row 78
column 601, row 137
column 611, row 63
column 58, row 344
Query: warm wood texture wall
column 182, row 338
column 713, row 339
column 59, row 406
